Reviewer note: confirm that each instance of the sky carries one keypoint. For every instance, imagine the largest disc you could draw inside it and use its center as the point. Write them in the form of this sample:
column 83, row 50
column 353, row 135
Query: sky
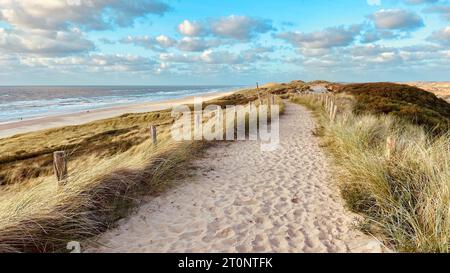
column 233, row 42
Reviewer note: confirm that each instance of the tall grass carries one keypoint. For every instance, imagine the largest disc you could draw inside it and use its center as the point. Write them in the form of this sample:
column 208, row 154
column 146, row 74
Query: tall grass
column 405, row 200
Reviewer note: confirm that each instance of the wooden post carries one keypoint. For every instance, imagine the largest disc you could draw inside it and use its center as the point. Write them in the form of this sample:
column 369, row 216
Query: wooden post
column 334, row 113
column 391, row 145
column 153, row 134
column 60, row 165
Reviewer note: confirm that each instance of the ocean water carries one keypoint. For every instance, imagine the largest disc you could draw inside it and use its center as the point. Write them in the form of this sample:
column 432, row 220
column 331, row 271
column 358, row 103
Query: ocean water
column 18, row 103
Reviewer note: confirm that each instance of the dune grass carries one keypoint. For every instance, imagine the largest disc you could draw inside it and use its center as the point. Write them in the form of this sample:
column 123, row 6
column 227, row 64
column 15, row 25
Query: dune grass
column 405, row 200
column 112, row 163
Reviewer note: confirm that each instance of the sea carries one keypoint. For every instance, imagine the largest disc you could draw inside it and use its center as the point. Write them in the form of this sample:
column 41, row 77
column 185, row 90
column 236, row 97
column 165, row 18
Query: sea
column 27, row 102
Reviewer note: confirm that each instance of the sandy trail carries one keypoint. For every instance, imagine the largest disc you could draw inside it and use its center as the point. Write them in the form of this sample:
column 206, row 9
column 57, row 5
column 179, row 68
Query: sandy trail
column 245, row 200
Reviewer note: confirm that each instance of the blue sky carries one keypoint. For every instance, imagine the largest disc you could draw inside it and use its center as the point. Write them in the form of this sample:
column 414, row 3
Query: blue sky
column 146, row 42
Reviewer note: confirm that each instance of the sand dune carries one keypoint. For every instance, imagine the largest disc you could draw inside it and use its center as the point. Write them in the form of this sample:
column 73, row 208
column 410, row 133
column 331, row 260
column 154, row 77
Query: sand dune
column 245, row 200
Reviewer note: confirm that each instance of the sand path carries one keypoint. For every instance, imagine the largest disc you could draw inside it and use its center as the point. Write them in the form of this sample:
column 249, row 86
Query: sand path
column 245, row 200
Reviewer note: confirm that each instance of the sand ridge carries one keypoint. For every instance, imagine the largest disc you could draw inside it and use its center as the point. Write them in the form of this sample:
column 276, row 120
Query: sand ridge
column 245, row 200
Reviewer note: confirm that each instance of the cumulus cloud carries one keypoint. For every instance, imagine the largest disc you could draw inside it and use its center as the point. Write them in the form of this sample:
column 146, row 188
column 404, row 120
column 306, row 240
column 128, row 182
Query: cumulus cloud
column 236, row 27
column 397, row 19
column 156, row 43
column 441, row 36
column 93, row 63
column 372, row 36
column 55, row 27
column 57, row 15
column 163, row 42
column 37, row 41
column 196, row 44
column 189, row 28
column 325, row 39
column 216, row 57
column 240, row 27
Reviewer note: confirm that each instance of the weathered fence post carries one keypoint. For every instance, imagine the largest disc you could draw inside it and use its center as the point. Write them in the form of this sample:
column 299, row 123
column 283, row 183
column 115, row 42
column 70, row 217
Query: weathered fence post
column 60, row 165
column 331, row 107
column 391, row 145
column 153, row 134
column 334, row 113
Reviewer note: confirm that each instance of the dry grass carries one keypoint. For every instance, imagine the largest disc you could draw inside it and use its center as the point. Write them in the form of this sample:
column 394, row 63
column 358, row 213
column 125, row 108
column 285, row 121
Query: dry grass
column 111, row 164
column 405, row 200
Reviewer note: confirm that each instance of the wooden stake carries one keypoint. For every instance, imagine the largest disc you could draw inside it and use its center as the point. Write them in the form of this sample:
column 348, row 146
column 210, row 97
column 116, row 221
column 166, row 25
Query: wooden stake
column 391, row 145
column 334, row 113
column 60, row 165
column 153, row 134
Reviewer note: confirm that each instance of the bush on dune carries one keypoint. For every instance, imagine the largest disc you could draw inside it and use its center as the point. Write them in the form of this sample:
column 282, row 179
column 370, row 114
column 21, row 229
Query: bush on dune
column 403, row 101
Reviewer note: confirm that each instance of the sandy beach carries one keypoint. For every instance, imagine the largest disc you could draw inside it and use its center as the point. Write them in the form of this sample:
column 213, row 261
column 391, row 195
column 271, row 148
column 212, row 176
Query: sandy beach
column 49, row 122
column 243, row 200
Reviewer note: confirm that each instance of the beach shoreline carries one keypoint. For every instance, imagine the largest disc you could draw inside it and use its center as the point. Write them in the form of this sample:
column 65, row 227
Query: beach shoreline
column 9, row 129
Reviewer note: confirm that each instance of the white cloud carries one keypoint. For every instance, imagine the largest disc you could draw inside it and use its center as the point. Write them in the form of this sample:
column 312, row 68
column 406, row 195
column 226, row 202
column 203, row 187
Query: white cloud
column 189, row 28
column 240, row 27
column 93, row 63
column 160, row 42
column 236, row 27
column 57, row 15
column 397, row 19
column 196, row 44
column 441, row 36
column 324, row 39
column 43, row 42
column 55, row 27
